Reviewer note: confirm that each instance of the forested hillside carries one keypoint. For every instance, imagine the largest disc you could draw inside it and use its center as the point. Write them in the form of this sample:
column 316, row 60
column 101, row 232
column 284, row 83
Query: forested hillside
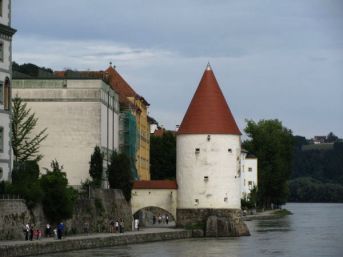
column 317, row 171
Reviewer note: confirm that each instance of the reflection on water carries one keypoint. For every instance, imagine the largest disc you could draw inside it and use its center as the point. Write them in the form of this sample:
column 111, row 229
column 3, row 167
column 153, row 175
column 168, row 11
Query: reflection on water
column 313, row 230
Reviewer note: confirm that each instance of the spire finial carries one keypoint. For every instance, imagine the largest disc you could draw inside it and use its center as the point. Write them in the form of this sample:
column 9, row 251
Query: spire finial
column 208, row 67
column 110, row 63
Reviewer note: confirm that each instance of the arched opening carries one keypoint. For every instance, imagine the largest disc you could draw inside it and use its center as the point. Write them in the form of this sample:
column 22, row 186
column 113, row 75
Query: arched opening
column 7, row 94
column 154, row 217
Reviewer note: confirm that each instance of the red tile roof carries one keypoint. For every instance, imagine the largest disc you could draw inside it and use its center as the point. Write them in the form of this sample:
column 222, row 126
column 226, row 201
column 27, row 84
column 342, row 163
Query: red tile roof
column 121, row 86
column 154, row 184
column 208, row 112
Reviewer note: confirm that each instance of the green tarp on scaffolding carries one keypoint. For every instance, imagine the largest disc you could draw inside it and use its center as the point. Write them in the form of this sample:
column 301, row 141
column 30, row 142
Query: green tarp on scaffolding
column 128, row 139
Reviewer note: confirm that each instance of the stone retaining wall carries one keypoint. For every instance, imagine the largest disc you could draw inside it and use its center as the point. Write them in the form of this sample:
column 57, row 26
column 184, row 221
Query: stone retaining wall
column 69, row 244
column 186, row 217
column 13, row 214
column 91, row 215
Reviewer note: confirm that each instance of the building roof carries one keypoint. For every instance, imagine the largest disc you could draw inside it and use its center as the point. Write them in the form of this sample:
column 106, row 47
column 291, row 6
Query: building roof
column 154, row 184
column 208, row 112
column 121, row 86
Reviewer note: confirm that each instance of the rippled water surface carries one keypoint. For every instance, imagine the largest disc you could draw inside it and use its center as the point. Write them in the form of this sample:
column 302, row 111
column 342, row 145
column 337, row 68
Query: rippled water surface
column 313, row 230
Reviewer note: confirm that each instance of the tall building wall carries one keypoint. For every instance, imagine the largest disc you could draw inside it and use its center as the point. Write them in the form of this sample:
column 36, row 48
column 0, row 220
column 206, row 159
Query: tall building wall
column 75, row 114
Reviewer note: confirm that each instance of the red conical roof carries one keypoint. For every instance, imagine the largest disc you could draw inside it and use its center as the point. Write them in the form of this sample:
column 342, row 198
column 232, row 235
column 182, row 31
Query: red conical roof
column 208, row 112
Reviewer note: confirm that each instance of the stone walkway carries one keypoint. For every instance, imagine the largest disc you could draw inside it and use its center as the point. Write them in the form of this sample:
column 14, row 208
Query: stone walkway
column 90, row 236
column 270, row 214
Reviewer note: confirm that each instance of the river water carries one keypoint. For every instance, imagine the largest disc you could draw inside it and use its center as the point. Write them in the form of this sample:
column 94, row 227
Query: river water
column 313, row 230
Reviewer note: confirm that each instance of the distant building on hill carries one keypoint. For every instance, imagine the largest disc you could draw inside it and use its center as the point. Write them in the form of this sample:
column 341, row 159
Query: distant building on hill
column 79, row 114
column 319, row 139
column 6, row 33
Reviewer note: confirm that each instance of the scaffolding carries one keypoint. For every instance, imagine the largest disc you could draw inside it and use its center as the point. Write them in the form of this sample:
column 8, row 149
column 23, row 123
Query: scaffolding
column 128, row 139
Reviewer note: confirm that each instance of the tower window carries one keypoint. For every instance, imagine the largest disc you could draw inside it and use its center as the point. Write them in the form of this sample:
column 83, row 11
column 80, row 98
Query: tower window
column 205, row 178
column 229, row 150
column 197, row 150
column 196, row 201
column 249, row 169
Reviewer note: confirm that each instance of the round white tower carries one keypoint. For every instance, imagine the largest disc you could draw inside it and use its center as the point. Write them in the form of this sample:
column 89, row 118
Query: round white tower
column 208, row 156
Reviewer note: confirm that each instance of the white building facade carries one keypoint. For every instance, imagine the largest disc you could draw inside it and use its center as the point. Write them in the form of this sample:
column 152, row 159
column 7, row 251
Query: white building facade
column 6, row 33
column 79, row 114
column 208, row 169
column 249, row 174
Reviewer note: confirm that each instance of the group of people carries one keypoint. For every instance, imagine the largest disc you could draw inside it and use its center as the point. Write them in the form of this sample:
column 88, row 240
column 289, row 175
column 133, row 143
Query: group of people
column 31, row 232
column 161, row 219
column 117, row 226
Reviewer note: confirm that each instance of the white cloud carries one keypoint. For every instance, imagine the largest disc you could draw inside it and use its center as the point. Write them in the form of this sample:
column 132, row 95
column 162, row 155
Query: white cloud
column 79, row 54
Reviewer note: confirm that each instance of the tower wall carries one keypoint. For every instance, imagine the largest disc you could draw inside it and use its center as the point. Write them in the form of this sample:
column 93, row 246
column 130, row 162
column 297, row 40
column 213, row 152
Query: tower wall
column 208, row 170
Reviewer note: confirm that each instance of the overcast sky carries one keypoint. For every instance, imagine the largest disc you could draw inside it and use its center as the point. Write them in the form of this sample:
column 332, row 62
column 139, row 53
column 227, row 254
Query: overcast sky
column 272, row 59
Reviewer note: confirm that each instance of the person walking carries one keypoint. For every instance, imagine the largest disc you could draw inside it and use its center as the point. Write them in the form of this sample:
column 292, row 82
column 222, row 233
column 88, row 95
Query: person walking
column 27, row 231
column 112, row 226
column 121, row 226
column 137, row 224
column 117, row 226
column 31, row 232
column 60, row 228
column 48, row 230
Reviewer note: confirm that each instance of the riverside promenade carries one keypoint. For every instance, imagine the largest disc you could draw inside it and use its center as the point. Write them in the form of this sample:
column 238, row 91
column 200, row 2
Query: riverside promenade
column 87, row 241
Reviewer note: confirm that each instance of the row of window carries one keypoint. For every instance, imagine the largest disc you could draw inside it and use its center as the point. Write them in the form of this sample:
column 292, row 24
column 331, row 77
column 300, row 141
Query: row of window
column 197, row 151
column 111, row 101
column 196, row 201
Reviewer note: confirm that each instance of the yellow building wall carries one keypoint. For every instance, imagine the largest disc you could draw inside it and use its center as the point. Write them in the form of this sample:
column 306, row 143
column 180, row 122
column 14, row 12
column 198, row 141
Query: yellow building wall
column 143, row 149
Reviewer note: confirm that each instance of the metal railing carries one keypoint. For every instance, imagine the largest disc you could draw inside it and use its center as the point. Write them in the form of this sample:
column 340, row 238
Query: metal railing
column 10, row 197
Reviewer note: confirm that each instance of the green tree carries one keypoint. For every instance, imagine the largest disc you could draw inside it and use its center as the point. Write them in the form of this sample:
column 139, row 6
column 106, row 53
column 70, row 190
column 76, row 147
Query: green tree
column 25, row 182
column 163, row 156
column 58, row 200
column 119, row 175
column 272, row 144
column 250, row 201
column 25, row 145
column 331, row 138
column 96, row 166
